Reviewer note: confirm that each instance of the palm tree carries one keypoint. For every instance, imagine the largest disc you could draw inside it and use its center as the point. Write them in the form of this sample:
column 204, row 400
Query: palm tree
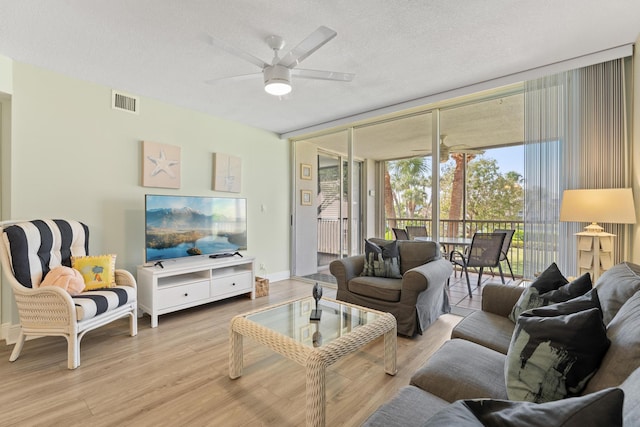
column 457, row 192
column 406, row 182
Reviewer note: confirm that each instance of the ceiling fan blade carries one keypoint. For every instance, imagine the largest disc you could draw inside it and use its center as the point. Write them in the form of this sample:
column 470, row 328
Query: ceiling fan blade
column 322, row 75
column 467, row 151
column 313, row 42
column 234, row 78
column 462, row 148
column 235, row 51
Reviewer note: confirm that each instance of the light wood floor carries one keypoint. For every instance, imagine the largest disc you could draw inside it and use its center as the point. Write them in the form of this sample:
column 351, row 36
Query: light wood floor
column 177, row 374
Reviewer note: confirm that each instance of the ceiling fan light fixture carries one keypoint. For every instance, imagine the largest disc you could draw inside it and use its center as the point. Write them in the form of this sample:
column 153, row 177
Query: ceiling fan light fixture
column 277, row 80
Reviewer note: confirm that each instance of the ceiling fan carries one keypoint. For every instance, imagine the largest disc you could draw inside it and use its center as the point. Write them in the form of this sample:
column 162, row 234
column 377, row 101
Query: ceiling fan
column 446, row 150
column 277, row 74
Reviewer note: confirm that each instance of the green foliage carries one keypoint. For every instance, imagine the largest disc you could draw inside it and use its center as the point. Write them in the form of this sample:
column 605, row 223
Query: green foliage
column 491, row 193
column 411, row 185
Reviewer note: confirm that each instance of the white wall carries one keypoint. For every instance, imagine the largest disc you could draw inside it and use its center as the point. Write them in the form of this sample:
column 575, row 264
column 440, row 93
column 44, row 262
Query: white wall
column 306, row 217
column 6, row 75
column 6, row 89
column 75, row 157
column 635, row 162
column 370, row 204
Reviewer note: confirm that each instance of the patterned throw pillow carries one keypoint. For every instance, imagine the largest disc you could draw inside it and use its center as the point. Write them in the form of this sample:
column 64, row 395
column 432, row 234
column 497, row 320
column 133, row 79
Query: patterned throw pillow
column 381, row 261
column 98, row 271
column 603, row 408
column 372, row 253
column 549, row 288
column 555, row 350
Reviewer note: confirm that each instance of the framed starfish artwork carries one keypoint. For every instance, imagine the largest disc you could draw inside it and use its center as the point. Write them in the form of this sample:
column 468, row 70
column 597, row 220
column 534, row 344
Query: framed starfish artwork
column 160, row 165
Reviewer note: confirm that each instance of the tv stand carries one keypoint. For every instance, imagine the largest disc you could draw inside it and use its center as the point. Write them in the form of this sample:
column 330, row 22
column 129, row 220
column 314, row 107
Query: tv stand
column 190, row 282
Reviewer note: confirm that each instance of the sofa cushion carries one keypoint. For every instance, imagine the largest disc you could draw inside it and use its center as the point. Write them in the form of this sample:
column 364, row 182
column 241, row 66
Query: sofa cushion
column 631, row 406
column 616, row 286
column 623, row 356
column 487, row 329
column 93, row 303
column 599, row 409
column 463, row 370
column 37, row 246
column 554, row 351
column 409, row 407
column 550, row 287
column 380, row 288
column 381, row 260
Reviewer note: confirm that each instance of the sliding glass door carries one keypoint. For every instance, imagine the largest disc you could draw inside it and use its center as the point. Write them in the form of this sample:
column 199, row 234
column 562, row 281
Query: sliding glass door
column 328, row 214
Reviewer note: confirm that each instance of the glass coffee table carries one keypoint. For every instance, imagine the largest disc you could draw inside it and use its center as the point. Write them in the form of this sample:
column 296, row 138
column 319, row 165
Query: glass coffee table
column 286, row 329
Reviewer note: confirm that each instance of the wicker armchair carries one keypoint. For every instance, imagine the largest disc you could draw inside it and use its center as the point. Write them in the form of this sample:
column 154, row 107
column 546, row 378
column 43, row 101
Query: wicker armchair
column 29, row 250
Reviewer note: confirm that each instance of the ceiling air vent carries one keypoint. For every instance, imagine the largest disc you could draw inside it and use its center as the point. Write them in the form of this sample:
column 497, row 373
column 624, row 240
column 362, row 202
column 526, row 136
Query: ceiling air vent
column 125, row 102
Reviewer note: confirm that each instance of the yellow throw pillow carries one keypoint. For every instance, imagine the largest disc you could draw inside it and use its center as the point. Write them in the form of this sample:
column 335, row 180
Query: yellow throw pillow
column 97, row 271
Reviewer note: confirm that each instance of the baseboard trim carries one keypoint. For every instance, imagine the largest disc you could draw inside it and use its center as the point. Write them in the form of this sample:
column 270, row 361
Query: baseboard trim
column 282, row 275
column 10, row 333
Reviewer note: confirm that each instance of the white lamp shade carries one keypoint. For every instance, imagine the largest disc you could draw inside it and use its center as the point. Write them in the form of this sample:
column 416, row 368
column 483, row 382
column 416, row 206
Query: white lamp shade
column 608, row 205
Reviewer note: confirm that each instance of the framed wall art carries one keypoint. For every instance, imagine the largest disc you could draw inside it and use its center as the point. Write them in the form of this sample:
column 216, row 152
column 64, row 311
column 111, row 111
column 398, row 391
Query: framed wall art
column 305, row 171
column 160, row 165
column 227, row 173
column 305, row 197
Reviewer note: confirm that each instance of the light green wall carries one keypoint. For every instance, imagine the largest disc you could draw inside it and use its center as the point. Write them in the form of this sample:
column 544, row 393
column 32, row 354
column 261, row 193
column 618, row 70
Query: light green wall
column 75, row 157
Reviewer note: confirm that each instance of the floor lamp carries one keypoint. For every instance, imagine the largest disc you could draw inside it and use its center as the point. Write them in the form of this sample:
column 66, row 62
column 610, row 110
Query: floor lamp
column 596, row 252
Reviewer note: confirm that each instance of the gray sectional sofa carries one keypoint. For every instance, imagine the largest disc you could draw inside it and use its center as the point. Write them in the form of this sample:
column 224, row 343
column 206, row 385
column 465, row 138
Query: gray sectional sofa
column 416, row 299
column 472, row 364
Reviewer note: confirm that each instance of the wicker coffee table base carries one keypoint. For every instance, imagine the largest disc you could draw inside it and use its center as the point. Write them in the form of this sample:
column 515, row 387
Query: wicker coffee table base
column 315, row 360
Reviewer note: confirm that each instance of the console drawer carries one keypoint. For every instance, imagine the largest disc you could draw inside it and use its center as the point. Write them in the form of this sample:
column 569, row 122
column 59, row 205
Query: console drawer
column 172, row 296
column 233, row 283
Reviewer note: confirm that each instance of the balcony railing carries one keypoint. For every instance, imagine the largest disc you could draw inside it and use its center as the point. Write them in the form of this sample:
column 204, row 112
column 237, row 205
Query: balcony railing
column 329, row 235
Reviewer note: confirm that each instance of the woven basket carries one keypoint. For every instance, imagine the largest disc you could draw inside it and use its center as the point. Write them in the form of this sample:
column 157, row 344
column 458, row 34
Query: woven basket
column 262, row 287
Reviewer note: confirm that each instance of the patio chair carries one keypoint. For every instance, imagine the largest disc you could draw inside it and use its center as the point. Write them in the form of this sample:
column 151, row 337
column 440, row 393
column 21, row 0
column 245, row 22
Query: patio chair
column 31, row 249
column 505, row 248
column 416, row 231
column 400, row 234
column 485, row 251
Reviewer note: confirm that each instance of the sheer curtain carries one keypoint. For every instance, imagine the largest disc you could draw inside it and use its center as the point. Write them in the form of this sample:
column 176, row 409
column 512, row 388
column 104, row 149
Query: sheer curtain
column 575, row 137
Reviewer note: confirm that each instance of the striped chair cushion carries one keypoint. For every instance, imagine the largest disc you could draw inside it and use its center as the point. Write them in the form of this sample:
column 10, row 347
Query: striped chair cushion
column 35, row 247
column 93, row 303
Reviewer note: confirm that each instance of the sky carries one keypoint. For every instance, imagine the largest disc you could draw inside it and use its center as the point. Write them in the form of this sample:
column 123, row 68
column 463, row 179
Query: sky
column 509, row 158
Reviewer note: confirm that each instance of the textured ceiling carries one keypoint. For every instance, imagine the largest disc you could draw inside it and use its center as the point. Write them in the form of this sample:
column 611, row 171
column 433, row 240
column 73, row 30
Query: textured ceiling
column 399, row 50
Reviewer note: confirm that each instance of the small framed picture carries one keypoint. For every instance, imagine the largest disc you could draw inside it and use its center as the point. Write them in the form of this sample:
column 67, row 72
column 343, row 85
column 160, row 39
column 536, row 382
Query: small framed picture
column 305, row 197
column 305, row 171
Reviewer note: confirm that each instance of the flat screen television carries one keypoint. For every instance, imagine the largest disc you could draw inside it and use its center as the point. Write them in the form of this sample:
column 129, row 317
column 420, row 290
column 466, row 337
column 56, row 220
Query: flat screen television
column 186, row 226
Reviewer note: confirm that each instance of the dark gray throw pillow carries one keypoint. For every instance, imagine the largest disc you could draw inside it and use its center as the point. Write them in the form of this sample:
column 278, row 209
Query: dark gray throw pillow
column 603, row 408
column 549, row 288
column 555, row 350
column 381, row 261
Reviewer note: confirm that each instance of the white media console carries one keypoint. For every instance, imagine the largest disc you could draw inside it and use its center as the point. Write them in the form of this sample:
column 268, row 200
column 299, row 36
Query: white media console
column 186, row 283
